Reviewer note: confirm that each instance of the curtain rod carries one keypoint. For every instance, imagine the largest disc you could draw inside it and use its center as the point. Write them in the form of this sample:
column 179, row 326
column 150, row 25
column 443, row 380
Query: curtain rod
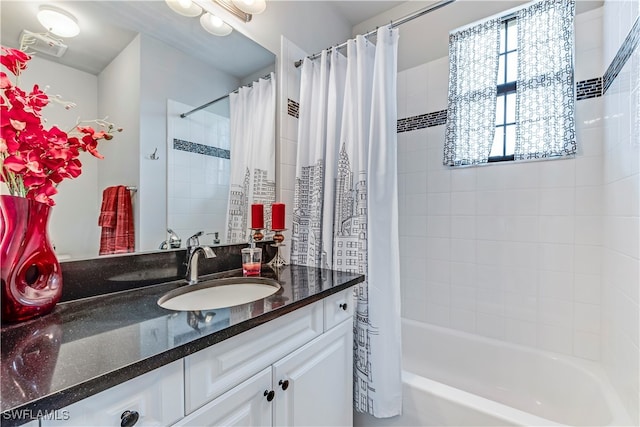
column 393, row 24
column 183, row 115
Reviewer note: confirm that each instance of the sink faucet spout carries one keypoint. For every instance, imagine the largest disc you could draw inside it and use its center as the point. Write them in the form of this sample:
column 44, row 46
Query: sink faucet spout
column 192, row 262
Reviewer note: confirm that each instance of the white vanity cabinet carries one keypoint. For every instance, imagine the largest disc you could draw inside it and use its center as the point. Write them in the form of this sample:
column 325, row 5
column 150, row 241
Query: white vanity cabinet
column 213, row 371
column 295, row 370
column 243, row 405
column 314, row 384
column 311, row 386
column 338, row 308
column 156, row 397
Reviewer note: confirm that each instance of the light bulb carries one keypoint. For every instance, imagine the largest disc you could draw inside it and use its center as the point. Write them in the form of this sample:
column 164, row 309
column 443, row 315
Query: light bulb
column 58, row 21
column 214, row 25
column 184, row 7
column 215, row 21
column 250, row 6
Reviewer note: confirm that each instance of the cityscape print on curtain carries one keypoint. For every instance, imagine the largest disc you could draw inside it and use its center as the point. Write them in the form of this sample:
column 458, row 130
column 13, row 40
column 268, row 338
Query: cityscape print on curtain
column 346, row 186
column 253, row 152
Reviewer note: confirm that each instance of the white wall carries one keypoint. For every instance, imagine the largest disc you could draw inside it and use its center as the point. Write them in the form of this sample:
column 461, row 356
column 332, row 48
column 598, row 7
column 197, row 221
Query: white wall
column 510, row 250
column 73, row 225
column 197, row 184
column 139, row 105
column 119, row 99
column 168, row 74
column 621, row 197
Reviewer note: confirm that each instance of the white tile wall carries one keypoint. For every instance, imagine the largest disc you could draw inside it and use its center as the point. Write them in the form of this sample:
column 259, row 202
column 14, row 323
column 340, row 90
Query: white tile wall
column 197, row 185
column 512, row 251
column 287, row 148
column 621, row 226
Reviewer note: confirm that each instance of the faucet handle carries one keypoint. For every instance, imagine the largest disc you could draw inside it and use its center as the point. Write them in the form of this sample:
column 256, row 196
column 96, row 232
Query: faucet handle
column 193, row 241
column 173, row 240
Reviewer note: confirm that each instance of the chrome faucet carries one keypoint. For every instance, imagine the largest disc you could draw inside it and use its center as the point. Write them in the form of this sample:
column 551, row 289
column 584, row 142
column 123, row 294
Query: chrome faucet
column 173, row 242
column 194, row 240
column 192, row 262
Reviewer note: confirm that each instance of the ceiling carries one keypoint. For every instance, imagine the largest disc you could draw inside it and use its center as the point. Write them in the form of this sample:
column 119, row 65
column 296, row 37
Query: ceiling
column 106, row 27
column 357, row 11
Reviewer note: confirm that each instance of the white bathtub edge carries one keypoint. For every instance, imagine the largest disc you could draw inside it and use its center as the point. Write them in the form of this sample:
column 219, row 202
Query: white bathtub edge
column 477, row 403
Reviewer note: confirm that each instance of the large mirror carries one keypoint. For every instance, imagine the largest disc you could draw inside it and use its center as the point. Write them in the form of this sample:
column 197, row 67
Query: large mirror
column 140, row 64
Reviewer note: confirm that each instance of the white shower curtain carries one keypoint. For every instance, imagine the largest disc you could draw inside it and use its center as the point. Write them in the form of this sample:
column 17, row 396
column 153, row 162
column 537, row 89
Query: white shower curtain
column 345, row 214
column 253, row 151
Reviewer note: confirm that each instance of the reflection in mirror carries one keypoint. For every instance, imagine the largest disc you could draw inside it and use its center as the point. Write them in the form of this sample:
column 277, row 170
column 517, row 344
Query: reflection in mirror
column 139, row 63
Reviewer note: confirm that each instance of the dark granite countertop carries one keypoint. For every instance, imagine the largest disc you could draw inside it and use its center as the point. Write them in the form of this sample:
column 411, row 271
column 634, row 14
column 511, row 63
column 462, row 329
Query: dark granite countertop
column 89, row 345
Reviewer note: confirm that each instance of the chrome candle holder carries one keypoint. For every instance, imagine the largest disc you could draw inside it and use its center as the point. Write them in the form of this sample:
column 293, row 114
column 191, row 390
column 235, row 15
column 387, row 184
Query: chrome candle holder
column 278, row 239
column 256, row 235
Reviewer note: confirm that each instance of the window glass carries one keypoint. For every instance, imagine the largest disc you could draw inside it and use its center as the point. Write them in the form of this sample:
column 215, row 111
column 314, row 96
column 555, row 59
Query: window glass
column 511, row 108
column 510, row 137
column 501, row 73
column 512, row 35
column 496, row 148
column 500, row 110
column 512, row 66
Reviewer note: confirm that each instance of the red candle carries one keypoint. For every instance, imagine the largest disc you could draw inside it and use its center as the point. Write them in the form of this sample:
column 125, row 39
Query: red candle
column 257, row 215
column 277, row 216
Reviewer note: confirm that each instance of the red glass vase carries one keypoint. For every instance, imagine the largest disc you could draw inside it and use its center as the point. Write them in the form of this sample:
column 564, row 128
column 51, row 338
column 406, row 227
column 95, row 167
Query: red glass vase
column 31, row 275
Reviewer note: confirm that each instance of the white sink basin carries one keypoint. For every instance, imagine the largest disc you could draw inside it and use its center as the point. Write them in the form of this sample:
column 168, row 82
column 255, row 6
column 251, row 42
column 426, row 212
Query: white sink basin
column 219, row 293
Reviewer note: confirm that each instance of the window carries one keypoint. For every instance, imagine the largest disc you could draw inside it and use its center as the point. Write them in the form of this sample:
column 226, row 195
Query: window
column 505, row 137
column 511, row 90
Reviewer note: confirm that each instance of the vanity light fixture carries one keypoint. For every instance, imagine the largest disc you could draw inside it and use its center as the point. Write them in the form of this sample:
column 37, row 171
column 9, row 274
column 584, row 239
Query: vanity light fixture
column 253, row 7
column 185, row 7
column 214, row 25
column 58, row 21
column 231, row 7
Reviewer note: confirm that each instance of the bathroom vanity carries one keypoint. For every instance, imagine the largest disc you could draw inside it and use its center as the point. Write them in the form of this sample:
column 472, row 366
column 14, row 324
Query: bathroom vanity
column 120, row 359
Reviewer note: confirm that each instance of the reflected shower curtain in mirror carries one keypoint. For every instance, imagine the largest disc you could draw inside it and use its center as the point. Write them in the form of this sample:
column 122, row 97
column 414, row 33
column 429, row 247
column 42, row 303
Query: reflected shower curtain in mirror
column 345, row 212
column 253, row 153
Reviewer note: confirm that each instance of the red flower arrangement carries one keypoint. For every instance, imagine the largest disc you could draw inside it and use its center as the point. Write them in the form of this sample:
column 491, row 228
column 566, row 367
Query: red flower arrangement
column 35, row 160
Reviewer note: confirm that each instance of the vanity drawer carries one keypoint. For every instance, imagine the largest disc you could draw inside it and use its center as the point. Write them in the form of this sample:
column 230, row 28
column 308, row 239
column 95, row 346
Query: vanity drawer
column 338, row 307
column 156, row 397
column 212, row 371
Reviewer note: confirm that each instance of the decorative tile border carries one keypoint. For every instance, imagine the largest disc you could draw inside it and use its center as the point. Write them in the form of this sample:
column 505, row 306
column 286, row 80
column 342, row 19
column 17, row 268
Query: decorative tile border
column 293, row 108
column 624, row 53
column 422, row 121
column 194, row 147
column 585, row 89
column 591, row 88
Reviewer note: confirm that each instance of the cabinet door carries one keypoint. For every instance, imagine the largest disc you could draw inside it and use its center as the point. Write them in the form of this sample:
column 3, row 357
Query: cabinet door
column 319, row 381
column 156, row 396
column 215, row 370
column 244, row 405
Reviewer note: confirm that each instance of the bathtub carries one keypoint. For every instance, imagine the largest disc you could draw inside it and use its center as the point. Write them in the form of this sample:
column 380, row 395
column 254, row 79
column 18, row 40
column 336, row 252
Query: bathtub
column 452, row 378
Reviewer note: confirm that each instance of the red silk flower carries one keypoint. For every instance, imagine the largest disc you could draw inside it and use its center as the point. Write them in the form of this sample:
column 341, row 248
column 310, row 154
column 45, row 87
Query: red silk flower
column 34, row 160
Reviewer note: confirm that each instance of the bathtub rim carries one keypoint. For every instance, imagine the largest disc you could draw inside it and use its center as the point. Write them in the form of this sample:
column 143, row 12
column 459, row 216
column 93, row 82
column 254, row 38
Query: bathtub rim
column 594, row 370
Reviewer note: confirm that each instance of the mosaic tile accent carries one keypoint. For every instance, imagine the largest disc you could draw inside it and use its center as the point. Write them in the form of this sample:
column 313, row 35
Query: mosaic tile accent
column 591, row 88
column 194, row 147
column 624, row 53
column 293, row 108
column 585, row 89
column 422, row 121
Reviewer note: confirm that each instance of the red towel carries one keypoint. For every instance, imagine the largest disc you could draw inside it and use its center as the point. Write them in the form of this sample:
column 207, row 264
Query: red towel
column 116, row 220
